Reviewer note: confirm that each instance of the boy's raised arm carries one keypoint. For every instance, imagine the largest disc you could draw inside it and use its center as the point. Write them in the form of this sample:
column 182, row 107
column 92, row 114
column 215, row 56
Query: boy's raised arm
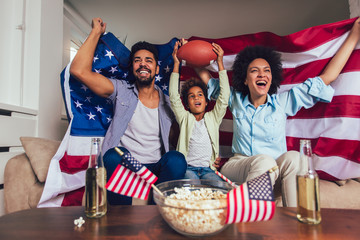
column 203, row 73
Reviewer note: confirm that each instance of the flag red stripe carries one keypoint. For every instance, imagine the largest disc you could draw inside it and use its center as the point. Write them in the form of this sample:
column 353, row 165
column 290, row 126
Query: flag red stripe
column 136, row 188
column 232, row 203
column 73, row 164
column 118, row 180
column 324, row 175
column 265, row 211
column 257, row 210
column 139, row 186
column 242, row 203
column 229, row 206
column 149, row 176
column 129, row 186
column 73, row 198
column 325, row 147
column 225, row 138
column 250, row 210
column 272, row 210
column 147, row 191
column 143, row 190
column 125, row 177
column 341, row 106
column 112, row 177
column 315, row 68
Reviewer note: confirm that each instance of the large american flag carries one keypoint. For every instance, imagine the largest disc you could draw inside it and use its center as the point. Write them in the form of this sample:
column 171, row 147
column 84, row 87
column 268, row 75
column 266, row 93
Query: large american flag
column 334, row 128
column 251, row 201
column 90, row 116
column 131, row 178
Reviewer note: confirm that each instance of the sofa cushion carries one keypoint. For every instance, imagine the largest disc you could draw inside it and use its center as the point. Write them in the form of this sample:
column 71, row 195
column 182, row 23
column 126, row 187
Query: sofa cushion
column 19, row 178
column 334, row 196
column 40, row 152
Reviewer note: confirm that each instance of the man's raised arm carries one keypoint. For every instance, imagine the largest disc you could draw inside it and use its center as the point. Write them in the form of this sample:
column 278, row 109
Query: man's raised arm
column 82, row 63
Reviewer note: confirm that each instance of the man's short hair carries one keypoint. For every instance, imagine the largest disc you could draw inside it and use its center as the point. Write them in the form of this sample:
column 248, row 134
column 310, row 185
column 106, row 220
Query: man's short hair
column 249, row 54
column 142, row 45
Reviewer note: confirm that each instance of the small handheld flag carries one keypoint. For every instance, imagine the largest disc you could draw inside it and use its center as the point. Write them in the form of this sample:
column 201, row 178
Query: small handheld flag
column 131, row 178
column 251, row 201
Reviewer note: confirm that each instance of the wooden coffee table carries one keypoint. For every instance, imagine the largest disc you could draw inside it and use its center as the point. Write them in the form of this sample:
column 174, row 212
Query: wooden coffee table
column 145, row 222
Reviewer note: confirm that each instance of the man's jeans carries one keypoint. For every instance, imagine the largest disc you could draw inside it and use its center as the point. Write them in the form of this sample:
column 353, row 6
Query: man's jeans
column 171, row 166
column 201, row 173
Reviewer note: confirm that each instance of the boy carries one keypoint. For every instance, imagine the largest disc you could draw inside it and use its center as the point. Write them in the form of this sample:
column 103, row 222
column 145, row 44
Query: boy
column 199, row 130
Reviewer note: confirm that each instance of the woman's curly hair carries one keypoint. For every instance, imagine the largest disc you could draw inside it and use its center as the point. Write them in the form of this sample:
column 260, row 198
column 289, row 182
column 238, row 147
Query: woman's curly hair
column 249, row 54
column 192, row 82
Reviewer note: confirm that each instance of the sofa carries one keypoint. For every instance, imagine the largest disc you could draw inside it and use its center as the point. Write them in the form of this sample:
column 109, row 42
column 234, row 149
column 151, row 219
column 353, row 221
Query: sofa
column 25, row 176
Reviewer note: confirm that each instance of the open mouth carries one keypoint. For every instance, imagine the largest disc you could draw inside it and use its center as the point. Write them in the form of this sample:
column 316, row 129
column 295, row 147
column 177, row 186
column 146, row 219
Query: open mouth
column 197, row 104
column 143, row 71
column 261, row 83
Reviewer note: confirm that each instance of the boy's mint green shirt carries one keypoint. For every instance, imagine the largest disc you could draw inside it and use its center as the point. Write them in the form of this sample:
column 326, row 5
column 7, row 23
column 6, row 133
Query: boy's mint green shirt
column 186, row 120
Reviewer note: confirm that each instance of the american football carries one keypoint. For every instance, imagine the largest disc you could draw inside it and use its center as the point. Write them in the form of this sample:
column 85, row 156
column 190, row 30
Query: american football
column 197, row 53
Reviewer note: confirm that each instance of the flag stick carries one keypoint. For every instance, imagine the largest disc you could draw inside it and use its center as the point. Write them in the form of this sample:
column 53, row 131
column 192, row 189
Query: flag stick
column 157, row 190
column 273, row 169
column 225, row 179
column 121, row 153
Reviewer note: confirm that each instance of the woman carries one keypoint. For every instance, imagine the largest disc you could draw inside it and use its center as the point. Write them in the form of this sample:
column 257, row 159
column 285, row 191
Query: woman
column 259, row 113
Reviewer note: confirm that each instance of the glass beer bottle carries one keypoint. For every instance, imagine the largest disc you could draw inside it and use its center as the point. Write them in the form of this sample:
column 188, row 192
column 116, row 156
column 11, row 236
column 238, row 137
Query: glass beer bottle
column 307, row 187
column 95, row 191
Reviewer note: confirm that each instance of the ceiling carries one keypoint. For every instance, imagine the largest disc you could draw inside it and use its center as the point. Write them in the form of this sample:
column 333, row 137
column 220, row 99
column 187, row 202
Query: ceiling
column 158, row 21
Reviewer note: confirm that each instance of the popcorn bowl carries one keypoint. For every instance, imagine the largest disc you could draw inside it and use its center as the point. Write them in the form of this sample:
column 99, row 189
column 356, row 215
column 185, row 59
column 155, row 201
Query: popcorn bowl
column 193, row 207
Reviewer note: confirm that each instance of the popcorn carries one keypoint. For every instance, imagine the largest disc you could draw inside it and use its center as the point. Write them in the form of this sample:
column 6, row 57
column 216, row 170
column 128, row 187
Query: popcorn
column 79, row 222
column 196, row 212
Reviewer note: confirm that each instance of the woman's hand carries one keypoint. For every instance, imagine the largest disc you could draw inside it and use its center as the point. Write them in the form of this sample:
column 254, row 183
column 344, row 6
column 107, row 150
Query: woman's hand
column 356, row 28
column 336, row 64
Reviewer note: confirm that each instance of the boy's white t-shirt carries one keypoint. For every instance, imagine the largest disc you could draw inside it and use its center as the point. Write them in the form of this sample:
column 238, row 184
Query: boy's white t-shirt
column 200, row 148
column 142, row 136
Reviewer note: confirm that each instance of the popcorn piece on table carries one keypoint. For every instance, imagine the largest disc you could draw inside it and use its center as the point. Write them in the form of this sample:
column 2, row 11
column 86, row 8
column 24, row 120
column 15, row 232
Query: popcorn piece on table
column 79, row 222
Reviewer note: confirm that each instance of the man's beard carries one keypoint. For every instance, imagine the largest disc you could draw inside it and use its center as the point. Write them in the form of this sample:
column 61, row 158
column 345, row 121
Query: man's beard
column 144, row 81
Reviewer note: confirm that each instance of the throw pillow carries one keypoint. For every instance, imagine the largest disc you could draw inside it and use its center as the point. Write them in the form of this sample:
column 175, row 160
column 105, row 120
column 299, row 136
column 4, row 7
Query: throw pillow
column 40, row 152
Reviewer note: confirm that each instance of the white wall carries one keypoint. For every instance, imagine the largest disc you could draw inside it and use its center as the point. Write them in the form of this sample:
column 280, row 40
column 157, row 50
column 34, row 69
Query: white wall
column 50, row 64
column 31, row 60
column 160, row 20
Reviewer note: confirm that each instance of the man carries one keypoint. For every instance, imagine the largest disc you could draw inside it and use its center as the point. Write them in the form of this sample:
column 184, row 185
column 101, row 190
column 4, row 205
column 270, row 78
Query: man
column 142, row 113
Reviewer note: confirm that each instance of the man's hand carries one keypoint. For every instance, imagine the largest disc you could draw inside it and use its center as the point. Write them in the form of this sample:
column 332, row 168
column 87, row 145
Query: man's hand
column 98, row 25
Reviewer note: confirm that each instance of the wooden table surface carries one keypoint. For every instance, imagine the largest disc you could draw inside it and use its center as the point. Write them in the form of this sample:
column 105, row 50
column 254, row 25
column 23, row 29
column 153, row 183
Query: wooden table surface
column 145, row 222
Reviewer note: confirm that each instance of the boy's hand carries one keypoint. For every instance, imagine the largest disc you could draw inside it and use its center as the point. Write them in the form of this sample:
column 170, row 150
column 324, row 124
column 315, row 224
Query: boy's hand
column 220, row 54
column 216, row 163
column 174, row 54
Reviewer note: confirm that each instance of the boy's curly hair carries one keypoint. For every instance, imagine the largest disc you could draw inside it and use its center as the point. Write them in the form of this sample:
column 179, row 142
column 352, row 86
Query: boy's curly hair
column 249, row 54
column 192, row 82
